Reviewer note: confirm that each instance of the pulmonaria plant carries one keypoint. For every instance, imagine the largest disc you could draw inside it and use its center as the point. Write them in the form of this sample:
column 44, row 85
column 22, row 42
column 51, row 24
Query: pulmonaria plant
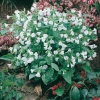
column 51, row 43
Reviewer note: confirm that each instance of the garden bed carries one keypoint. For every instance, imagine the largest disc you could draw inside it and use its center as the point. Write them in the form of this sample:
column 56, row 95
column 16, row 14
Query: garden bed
column 39, row 83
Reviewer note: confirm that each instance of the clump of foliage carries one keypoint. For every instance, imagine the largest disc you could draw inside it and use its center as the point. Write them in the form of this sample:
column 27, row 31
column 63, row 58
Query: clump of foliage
column 9, row 87
column 54, row 45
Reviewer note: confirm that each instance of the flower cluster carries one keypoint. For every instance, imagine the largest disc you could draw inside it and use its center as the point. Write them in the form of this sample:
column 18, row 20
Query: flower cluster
column 6, row 41
column 59, row 5
column 47, row 36
column 90, row 2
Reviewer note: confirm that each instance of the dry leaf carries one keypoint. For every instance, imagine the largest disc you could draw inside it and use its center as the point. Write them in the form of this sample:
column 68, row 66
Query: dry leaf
column 38, row 89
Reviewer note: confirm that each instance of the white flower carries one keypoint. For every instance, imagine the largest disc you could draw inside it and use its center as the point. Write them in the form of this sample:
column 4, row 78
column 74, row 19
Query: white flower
column 62, row 35
column 38, row 33
column 39, row 24
column 38, row 40
column 79, row 60
column 35, row 22
column 77, row 41
column 45, row 22
column 28, row 12
column 60, row 19
column 28, row 42
column 30, row 59
column 95, row 31
column 62, row 52
column 79, row 13
column 84, row 57
column 60, row 43
column 33, row 35
column 28, row 34
column 23, row 19
column 29, row 18
column 25, row 63
column 30, row 52
column 90, row 58
column 38, row 74
column 49, row 48
column 40, row 13
column 66, row 57
column 65, row 35
column 65, row 21
column 45, row 35
column 85, row 43
column 36, row 55
column 64, row 46
column 17, row 12
column 80, row 36
column 69, row 50
column 73, row 10
column 64, row 14
column 58, row 14
column 72, row 65
column 56, row 52
column 34, row 5
column 9, row 65
column 72, row 33
column 49, row 54
column 56, row 59
column 51, row 41
column 84, row 28
column 51, row 22
column 32, row 9
column 77, row 54
column 84, row 53
column 32, row 70
column 93, row 46
column 11, row 48
column 19, row 56
column 86, row 32
column 18, row 22
column 6, row 25
column 55, row 25
column 94, row 55
column 8, row 16
column 46, row 44
column 15, row 50
column 24, row 59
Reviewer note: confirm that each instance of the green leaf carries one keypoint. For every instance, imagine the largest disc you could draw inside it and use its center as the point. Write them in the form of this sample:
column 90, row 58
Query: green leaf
column 67, row 76
column 48, row 75
column 87, row 68
column 91, row 75
column 18, row 96
column 97, row 6
column 53, row 65
column 75, row 94
column 59, row 91
column 31, row 76
column 48, row 60
column 56, row 35
column 84, row 93
column 8, row 57
column 3, row 32
column 98, row 92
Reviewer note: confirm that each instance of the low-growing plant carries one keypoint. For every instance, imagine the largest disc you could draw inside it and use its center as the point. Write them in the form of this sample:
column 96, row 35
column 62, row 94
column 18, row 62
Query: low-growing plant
column 9, row 87
column 53, row 45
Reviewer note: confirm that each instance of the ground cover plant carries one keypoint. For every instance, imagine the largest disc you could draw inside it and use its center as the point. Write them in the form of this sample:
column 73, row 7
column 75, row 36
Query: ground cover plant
column 9, row 87
column 54, row 45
